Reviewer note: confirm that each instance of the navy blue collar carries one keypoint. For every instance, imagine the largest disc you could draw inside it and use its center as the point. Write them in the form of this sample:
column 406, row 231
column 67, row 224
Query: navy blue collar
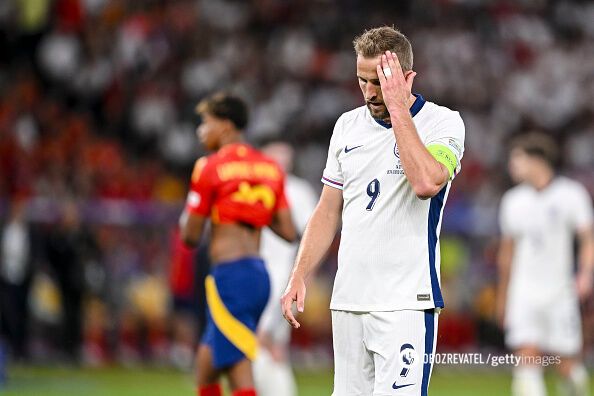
column 417, row 105
column 414, row 110
column 383, row 123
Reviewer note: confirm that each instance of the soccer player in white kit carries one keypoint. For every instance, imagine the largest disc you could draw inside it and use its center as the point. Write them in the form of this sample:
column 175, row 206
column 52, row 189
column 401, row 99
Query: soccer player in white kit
column 272, row 371
column 538, row 293
column 387, row 178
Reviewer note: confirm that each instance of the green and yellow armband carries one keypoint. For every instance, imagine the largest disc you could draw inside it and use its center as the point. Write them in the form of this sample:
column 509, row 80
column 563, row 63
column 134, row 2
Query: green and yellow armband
column 445, row 156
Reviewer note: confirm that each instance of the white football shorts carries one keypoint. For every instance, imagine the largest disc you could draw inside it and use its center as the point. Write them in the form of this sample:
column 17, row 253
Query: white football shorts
column 383, row 353
column 554, row 329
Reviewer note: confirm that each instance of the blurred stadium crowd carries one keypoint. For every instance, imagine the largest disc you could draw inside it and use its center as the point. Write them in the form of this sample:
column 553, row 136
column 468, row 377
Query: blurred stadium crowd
column 97, row 144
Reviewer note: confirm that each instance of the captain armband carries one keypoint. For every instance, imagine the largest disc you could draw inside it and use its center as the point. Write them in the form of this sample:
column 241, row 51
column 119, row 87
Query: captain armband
column 445, row 156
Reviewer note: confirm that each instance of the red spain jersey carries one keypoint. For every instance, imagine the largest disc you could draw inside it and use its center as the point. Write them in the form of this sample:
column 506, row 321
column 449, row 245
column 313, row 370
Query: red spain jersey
column 238, row 184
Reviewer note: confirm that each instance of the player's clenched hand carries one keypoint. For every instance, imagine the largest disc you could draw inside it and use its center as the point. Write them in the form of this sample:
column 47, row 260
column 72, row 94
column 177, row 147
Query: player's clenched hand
column 295, row 292
column 396, row 86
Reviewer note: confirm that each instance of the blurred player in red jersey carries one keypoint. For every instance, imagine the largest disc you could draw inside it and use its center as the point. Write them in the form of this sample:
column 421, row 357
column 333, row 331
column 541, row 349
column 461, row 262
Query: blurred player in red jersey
column 241, row 191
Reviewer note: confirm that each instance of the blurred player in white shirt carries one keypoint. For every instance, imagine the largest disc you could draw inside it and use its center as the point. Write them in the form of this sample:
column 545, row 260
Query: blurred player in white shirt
column 272, row 370
column 538, row 294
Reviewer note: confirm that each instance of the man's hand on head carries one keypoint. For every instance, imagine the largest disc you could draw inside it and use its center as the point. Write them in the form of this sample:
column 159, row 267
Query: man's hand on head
column 396, row 85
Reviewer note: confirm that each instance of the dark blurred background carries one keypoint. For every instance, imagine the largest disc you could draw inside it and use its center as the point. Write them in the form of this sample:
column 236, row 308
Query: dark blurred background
column 97, row 144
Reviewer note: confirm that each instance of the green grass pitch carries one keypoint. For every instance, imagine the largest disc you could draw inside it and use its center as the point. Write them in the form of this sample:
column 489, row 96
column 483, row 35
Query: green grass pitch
column 61, row 381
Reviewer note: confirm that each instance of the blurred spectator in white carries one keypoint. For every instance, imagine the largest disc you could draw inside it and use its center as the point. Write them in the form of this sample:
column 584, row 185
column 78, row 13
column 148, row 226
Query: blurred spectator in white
column 59, row 55
column 18, row 247
column 153, row 111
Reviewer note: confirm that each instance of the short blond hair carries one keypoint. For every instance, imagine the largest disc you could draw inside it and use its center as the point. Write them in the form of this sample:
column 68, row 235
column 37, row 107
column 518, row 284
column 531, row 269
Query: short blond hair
column 376, row 41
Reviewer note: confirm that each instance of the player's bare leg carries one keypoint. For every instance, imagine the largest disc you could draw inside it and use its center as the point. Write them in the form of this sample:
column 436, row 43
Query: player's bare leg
column 574, row 377
column 527, row 379
column 241, row 380
column 206, row 374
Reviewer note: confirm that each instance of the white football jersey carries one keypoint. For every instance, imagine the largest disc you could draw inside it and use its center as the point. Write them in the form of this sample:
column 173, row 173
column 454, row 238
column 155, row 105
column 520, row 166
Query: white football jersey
column 543, row 225
column 279, row 255
column 389, row 252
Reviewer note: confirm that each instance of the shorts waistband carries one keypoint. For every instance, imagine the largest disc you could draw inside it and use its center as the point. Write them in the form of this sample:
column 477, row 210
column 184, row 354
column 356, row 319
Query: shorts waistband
column 242, row 260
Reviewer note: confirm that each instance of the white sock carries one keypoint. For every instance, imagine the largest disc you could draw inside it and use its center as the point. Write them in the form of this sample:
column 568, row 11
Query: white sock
column 577, row 384
column 528, row 381
column 273, row 378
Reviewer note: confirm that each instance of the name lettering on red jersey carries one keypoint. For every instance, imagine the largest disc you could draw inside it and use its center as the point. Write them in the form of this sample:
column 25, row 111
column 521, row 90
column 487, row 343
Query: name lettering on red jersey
column 248, row 170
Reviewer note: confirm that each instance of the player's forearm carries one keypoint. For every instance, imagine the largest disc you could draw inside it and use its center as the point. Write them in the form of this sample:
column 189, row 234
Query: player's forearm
column 586, row 252
column 316, row 240
column 502, row 285
column 423, row 172
column 190, row 228
column 504, row 263
column 283, row 226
